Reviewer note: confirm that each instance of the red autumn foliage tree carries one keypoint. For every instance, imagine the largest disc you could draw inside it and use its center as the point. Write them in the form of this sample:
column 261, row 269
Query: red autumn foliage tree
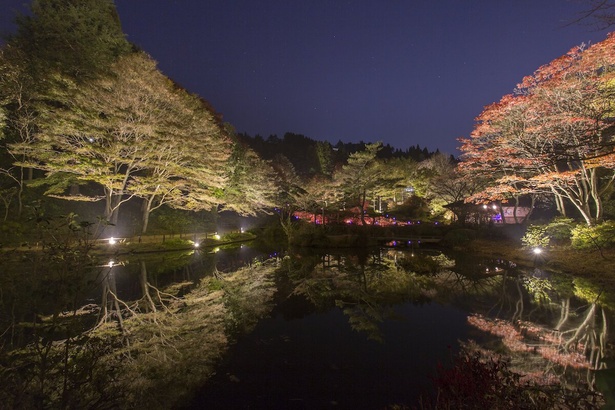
column 553, row 135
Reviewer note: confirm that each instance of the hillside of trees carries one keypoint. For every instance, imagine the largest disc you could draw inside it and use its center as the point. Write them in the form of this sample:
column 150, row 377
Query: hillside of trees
column 311, row 157
column 90, row 125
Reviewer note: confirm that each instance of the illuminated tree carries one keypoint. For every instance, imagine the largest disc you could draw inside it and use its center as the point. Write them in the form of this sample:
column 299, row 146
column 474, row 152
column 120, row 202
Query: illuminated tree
column 75, row 38
column 359, row 176
column 291, row 193
column 392, row 176
column 184, row 167
column 133, row 133
column 251, row 187
column 16, row 119
column 57, row 38
column 552, row 136
column 444, row 184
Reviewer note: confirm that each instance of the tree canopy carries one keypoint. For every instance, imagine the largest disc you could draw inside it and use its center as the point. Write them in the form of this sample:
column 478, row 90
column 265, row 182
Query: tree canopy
column 554, row 135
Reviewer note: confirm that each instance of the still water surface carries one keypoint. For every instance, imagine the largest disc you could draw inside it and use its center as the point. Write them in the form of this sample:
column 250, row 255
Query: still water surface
column 336, row 329
column 347, row 334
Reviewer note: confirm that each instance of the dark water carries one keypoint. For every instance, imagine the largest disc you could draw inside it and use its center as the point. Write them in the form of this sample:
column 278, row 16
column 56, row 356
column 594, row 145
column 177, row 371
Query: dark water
column 318, row 361
column 362, row 329
column 311, row 354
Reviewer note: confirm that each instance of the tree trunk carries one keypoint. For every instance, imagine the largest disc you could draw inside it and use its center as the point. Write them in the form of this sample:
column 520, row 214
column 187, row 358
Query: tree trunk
column 596, row 195
column 559, row 204
column 20, row 192
column 515, row 209
column 146, row 210
column 112, row 201
column 362, row 197
column 579, row 200
column 214, row 211
column 529, row 213
column 115, row 210
column 108, row 204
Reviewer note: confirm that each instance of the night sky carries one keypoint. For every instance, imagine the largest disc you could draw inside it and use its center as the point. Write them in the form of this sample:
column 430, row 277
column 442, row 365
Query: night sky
column 401, row 72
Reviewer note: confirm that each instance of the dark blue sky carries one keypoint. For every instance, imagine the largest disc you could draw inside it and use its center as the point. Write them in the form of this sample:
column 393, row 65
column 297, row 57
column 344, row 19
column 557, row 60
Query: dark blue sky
column 403, row 72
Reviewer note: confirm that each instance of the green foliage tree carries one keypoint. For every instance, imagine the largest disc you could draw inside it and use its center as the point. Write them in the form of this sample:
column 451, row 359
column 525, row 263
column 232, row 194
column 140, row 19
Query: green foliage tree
column 186, row 161
column 446, row 185
column 251, row 187
column 360, row 175
column 324, row 152
column 77, row 38
column 290, row 195
column 18, row 93
column 133, row 133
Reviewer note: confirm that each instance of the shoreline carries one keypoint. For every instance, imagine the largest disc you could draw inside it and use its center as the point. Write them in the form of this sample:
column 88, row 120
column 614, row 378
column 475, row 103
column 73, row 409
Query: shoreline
column 585, row 265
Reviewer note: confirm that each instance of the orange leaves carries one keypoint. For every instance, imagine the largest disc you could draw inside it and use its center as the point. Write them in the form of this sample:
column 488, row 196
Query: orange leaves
column 522, row 337
column 552, row 131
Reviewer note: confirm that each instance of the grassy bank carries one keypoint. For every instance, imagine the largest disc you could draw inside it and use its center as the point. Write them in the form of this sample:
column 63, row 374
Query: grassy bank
column 592, row 270
column 563, row 259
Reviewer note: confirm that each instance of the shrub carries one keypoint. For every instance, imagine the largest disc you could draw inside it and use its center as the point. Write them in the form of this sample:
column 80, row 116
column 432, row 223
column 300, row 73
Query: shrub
column 177, row 242
column 309, row 235
column 536, row 235
column 594, row 237
column 11, row 232
column 238, row 236
column 555, row 232
column 560, row 230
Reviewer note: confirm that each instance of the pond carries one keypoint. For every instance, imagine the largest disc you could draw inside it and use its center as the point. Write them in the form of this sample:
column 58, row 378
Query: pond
column 246, row 328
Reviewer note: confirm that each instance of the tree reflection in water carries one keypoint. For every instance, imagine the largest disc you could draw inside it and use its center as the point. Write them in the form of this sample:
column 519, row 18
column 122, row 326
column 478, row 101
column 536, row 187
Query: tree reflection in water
column 163, row 324
column 146, row 348
column 529, row 312
column 560, row 346
column 364, row 288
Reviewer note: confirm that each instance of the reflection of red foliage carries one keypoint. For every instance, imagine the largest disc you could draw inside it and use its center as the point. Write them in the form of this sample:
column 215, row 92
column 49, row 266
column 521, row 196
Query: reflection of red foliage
column 528, row 337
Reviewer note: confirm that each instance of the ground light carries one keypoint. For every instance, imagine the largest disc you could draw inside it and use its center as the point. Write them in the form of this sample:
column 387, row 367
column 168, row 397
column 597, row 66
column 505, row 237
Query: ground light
column 112, row 241
column 538, row 255
column 196, row 244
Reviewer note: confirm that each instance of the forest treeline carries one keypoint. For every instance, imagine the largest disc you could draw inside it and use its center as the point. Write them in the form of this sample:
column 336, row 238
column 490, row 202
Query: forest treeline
column 311, row 157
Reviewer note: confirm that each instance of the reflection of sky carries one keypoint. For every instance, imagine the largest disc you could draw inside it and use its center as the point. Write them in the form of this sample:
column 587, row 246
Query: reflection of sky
column 318, row 359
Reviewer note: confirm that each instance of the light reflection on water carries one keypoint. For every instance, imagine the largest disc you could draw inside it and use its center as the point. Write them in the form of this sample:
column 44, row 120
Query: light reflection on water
column 361, row 338
column 364, row 329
